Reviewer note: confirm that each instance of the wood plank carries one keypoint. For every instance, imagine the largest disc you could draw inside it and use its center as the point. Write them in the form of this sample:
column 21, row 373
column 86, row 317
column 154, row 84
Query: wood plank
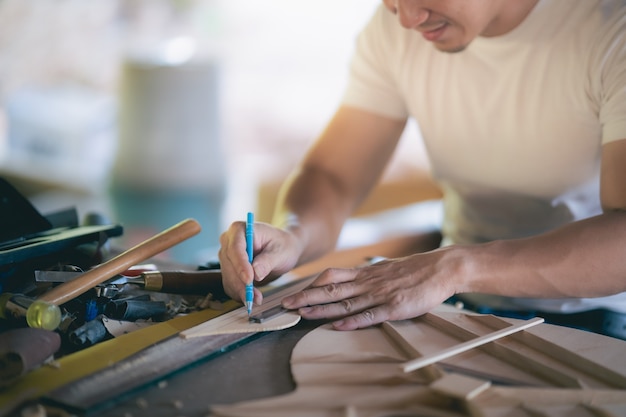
column 470, row 344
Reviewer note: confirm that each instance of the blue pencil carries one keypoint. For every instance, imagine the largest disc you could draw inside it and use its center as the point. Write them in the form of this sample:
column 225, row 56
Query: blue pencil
column 250, row 251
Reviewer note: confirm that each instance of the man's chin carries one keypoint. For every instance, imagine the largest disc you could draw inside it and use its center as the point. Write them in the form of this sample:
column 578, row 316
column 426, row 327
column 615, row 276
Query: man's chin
column 451, row 49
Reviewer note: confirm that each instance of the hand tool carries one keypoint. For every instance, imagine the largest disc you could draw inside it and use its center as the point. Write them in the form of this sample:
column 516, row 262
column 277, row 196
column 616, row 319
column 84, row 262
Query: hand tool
column 39, row 314
column 180, row 282
column 67, row 273
column 90, row 362
column 131, row 310
column 151, row 247
column 90, row 333
column 266, row 315
column 171, row 282
column 250, row 251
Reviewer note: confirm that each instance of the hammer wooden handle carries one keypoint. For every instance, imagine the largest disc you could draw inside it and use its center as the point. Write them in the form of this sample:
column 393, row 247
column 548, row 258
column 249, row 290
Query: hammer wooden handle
column 149, row 248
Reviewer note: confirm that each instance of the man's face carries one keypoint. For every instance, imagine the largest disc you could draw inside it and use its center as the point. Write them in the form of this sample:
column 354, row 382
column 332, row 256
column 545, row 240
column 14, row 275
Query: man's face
column 450, row 24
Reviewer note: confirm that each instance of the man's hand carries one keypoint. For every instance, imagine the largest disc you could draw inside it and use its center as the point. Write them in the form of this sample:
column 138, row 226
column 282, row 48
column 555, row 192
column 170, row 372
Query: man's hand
column 390, row 290
column 276, row 251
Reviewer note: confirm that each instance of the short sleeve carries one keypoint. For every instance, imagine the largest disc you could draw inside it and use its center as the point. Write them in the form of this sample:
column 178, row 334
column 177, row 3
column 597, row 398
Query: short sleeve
column 610, row 79
column 371, row 84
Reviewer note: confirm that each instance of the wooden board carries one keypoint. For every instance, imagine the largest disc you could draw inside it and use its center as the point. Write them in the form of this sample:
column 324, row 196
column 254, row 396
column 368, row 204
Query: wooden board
column 545, row 370
column 237, row 321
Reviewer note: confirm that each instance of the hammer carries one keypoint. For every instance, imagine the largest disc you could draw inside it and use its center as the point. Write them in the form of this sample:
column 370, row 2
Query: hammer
column 139, row 253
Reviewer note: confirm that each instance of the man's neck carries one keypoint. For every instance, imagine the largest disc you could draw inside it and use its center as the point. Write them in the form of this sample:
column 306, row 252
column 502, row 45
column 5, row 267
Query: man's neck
column 511, row 16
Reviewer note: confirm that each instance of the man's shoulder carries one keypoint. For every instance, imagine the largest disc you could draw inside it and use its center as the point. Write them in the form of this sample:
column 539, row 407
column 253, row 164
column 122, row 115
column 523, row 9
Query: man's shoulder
column 590, row 26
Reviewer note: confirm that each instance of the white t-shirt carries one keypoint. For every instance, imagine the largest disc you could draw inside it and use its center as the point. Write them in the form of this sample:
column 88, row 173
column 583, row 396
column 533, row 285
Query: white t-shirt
column 514, row 124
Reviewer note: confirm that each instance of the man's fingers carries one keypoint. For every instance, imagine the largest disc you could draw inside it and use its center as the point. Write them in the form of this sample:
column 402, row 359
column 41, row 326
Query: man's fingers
column 331, row 285
column 323, row 296
column 236, row 268
column 263, row 265
column 366, row 318
column 258, row 296
column 331, row 310
column 334, row 275
column 348, row 321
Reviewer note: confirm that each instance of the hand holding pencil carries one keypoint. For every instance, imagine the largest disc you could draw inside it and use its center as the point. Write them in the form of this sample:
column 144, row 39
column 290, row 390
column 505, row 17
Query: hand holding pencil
column 274, row 251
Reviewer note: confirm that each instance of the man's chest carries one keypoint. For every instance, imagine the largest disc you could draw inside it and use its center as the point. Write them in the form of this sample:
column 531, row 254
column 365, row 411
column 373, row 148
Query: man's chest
column 511, row 122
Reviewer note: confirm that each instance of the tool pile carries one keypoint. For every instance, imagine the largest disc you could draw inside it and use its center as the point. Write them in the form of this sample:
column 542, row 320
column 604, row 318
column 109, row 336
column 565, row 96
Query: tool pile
column 137, row 297
column 62, row 290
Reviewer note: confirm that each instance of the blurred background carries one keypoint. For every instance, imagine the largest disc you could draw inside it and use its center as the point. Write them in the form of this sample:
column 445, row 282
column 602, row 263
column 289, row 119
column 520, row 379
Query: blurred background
column 151, row 111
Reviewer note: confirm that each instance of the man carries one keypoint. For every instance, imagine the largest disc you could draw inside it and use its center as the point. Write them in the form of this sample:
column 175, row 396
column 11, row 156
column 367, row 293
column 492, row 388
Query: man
column 522, row 107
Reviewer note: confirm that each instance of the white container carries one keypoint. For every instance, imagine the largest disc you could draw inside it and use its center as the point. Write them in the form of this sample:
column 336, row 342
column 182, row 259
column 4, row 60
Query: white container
column 169, row 133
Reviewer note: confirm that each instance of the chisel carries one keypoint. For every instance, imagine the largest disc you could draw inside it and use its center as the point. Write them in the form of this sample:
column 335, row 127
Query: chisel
column 179, row 282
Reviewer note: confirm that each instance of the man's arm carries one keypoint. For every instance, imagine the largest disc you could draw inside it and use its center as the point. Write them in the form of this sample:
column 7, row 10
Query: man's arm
column 583, row 259
column 586, row 258
column 613, row 176
column 332, row 180
column 336, row 175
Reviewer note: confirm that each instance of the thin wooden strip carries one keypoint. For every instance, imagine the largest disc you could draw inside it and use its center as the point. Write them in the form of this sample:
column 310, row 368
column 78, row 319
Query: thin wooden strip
column 460, row 386
column 566, row 357
column 405, row 347
column 225, row 320
column 431, row 373
column 517, row 357
column 470, row 344
column 575, row 361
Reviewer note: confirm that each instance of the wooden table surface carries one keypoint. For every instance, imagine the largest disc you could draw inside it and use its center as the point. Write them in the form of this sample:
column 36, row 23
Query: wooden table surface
column 258, row 367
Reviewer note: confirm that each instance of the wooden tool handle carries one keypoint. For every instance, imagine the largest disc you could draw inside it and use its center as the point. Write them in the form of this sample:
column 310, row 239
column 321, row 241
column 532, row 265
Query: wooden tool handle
column 185, row 282
column 151, row 247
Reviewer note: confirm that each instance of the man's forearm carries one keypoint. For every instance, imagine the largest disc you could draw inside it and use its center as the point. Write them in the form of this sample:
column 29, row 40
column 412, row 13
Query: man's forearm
column 314, row 208
column 582, row 259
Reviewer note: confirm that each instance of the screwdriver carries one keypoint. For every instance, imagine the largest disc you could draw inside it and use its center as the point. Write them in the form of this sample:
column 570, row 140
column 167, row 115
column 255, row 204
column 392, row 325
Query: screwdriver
column 39, row 314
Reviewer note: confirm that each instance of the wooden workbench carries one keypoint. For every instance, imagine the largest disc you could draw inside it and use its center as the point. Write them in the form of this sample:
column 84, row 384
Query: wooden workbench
column 258, row 366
